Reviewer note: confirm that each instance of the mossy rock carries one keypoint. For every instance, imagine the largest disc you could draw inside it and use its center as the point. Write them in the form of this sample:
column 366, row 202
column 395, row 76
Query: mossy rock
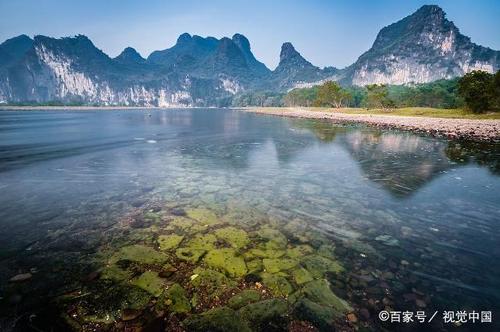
column 319, row 265
column 264, row 252
column 114, row 272
column 168, row 242
column 212, row 282
column 319, row 292
column 278, row 285
column 320, row 316
column 299, row 251
column 274, row 265
column 247, row 296
column 221, row 319
column 255, row 265
column 301, row 276
column 227, row 260
column 180, row 223
column 237, row 238
column 203, row 241
column 275, row 238
column 327, row 250
column 139, row 254
column 176, row 299
column 191, row 255
column 263, row 312
column 150, row 282
column 204, row 216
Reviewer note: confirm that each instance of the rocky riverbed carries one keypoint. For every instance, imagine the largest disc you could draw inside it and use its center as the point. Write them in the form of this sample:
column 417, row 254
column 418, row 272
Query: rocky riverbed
column 465, row 129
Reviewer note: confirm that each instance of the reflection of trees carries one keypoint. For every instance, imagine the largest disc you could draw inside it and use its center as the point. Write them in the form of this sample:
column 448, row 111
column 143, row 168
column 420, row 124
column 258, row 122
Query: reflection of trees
column 484, row 154
column 325, row 131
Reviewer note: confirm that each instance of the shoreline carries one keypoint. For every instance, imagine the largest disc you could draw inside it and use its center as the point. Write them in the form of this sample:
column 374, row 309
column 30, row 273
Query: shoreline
column 461, row 129
column 479, row 130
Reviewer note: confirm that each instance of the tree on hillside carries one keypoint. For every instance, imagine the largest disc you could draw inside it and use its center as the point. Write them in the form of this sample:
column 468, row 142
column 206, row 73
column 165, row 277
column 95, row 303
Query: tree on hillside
column 378, row 96
column 331, row 94
column 477, row 89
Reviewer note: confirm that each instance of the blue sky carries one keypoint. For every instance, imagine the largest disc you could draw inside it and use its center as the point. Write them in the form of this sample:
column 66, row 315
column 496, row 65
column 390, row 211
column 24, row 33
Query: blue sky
column 327, row 32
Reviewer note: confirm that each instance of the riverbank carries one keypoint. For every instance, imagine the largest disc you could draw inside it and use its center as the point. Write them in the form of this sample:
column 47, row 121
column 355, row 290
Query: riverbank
column 487, row 130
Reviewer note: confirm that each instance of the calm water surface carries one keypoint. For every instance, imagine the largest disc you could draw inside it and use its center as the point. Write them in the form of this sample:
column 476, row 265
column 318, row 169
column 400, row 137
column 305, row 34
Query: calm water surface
column 413, row 221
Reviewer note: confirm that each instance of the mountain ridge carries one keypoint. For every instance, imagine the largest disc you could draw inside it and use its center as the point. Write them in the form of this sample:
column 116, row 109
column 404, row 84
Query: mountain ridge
column 206, row 71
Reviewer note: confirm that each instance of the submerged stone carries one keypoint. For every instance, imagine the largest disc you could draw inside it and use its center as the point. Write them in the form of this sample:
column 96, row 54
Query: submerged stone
column 139, row 254
column 237, row 238
column 275, row 238
column 203, row 241
column 319, row 292
column 274, row 265
column 255, row 265
column 260, row 313
column 205, row 216
column 191, row 255
column 278, row 285
column 387, row 240
column 176, row 299
column 212, row 282
column 321, row 316
column 168, row 242
column 301, row 276
column 227, row 260
column 247, row 296
column 150, row 282
column 221, row 319
column 299, row 251
column 114, row 272
column 319, row 265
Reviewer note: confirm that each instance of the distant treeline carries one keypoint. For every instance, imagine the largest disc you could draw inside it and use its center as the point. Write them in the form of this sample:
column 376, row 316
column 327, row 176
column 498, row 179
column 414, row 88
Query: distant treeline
column 478, row 91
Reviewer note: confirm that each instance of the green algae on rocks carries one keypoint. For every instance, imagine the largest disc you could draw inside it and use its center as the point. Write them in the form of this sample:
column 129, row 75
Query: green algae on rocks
column 176, row 299
column 227, row 260
column 150, row 282
column 221, row 319
column 139, row 254
column 167, row 242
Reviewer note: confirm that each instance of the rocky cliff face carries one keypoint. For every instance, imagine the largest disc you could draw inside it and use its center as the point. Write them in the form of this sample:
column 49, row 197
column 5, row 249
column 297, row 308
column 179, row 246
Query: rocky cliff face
column 293, row 71
column 420, row 48
column 199, row 71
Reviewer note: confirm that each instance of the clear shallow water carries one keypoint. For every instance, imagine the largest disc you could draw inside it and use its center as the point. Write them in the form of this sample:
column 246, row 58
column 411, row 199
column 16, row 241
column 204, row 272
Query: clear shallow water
column 414, row 220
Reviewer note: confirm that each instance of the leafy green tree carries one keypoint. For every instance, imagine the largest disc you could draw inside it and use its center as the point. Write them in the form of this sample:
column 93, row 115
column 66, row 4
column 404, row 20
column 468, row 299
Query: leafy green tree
column 332, row 94
column 477, row 90
column 378, row 96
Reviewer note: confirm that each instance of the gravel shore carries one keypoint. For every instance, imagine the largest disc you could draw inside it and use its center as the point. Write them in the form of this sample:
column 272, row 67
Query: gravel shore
column 466, row 129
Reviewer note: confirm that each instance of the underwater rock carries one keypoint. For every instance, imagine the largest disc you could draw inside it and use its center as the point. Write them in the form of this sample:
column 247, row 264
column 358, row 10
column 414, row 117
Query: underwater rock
column 326, row 250
column 204, row 216
column 203, row 241
column 247, row 296
column 114, row 272
column 262, row 312
column 321, row 316
column 178, row 212
column 221, row 319
column 278, row 285
column 21, row 277
column 140, row 254
column 237, row 238
column 212, row 282
column 255, row 266
column 227, row 260
column 150, row 282
column 319, row 265
column 319, row 292
column 191, row 255
column 176, row 299
column 387, row 240
column 301, row 276
column 299, row 251
column 168, row 242
column 274, row 265
column 130, row 314
column 167, row 270
column 275, row 238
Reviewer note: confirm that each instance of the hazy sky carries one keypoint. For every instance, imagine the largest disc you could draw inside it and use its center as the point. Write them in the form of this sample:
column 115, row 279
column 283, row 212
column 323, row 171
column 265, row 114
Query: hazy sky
column 327, row 33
